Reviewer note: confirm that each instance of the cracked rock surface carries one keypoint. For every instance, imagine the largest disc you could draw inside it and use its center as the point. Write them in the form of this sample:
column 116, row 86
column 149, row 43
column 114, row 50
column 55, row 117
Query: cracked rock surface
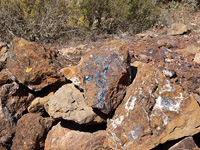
column 153, row 112
column 103, row 74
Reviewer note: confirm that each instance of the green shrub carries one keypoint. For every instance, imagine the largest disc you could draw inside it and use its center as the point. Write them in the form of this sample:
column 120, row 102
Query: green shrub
column 191, row 4
column 38, row 19
column 50, row 20
column 120, row 15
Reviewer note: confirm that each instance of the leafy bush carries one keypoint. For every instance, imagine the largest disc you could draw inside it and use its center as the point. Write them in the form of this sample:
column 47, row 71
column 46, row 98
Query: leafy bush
column 191, row 4
column 123, row 15
column 49, row 20
column 38, row 19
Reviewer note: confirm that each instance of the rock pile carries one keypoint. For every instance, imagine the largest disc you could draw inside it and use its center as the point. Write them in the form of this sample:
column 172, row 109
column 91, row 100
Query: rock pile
column 131, row 95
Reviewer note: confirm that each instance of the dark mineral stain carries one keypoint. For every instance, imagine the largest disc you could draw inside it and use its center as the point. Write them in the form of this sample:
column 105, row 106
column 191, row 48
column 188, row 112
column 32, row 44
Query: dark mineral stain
column 87, row 79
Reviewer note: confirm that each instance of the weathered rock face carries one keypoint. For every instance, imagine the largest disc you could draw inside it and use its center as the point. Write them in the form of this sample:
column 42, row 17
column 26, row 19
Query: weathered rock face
column 5, row 77
column 68, row 103
column 176, row 63
column 30, row 133
column 6, row 126
column 186, row 143
column 103, row 74
column 14, row 99
column 177, row 29
column 32, row 64
column 153, row 112
column 64, row 139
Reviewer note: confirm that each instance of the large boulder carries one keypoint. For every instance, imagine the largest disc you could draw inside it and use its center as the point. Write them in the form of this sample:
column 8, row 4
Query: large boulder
column 153, row 111
column 65, row 139
column 68, row 103
column 33, row 65
column 31, row 132
column 103, row 74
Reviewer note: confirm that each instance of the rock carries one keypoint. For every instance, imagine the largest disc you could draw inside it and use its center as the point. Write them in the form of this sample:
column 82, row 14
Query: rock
column 68, row 103
column 197, row 97
column 178, row 29
column 14, row 99
column 103, row 74
column 37, row 105
column 7, row 126
column 198, row 90
column 7, row 123
column 3, row 54
column 5, row 77
column 31, row 131
column 153, row 111
column 184, row 71
column 144, row 36
column 189, row 49
column 166, row 43
column 2, row 148
column 73, row 53
column 64, row 139
column 73, row 50
column 197, row 58
column 186, row 143
column 1, row 65
column 33, row 65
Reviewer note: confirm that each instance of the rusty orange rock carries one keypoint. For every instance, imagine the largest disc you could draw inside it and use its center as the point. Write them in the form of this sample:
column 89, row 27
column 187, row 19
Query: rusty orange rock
column 63, row 138
column 103, row 74
column 153, row 111
column 31, row 131
column 33, row 65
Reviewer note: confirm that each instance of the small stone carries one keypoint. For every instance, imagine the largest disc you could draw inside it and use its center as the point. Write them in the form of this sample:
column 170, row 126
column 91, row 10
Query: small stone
column 178, row 29
column 166, row 43
column 197, row 58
